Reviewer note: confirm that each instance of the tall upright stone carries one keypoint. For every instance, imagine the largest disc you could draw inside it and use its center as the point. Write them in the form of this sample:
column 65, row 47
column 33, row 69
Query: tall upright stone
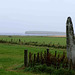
column 70, row 40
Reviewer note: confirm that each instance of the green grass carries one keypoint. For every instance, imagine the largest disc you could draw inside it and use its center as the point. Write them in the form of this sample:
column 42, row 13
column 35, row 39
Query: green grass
column 4, row 72
column 39, row 39
column 12, row 55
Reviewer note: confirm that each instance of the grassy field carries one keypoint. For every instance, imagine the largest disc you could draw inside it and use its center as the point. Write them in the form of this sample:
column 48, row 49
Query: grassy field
column 39, row 39
column 12, row 55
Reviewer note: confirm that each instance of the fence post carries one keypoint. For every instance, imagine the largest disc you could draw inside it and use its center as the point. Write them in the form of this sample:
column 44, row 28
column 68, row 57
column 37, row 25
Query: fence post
column 55, row 53
column 34, row 58
column 48, row 57
column 30, row 57
column 41, row 58
column 70, row 64
column 25, row 58
column 67, row 63
column 58, row 63
column 47, row 52
column 45, row 56
column 38, row 57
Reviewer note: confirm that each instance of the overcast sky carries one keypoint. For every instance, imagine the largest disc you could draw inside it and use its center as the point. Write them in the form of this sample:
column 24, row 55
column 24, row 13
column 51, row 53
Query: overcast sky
column 18, row 16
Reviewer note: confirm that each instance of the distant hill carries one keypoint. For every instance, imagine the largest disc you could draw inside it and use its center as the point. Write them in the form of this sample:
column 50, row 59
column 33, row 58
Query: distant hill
column 45, row 32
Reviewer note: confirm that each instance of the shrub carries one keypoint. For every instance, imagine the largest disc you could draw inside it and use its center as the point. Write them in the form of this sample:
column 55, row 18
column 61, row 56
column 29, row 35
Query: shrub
column 40, row 68
column 62, row 71
column 50, row 70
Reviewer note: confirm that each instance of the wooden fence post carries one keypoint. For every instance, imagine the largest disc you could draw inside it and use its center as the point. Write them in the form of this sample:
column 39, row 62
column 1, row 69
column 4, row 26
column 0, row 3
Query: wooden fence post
column 47, row 52
column 25, row 58
column 55, row 53
column 45, row 56
column 66, row 66
column 70, row 64
column 38, row 57
column 34, row 58
column 48, row 58
column 41, row 58
column 58, row 62
column 30, row 57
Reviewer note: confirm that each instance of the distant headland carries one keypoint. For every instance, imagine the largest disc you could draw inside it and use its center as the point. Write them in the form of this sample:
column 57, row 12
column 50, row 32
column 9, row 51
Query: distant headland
column 45, row 33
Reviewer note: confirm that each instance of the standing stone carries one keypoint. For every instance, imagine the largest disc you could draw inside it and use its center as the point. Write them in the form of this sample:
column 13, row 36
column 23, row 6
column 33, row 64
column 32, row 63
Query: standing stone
column 70, row 40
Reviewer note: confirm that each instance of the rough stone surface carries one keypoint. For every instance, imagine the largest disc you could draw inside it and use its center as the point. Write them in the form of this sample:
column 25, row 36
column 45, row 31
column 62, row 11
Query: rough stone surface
column 70, row 40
